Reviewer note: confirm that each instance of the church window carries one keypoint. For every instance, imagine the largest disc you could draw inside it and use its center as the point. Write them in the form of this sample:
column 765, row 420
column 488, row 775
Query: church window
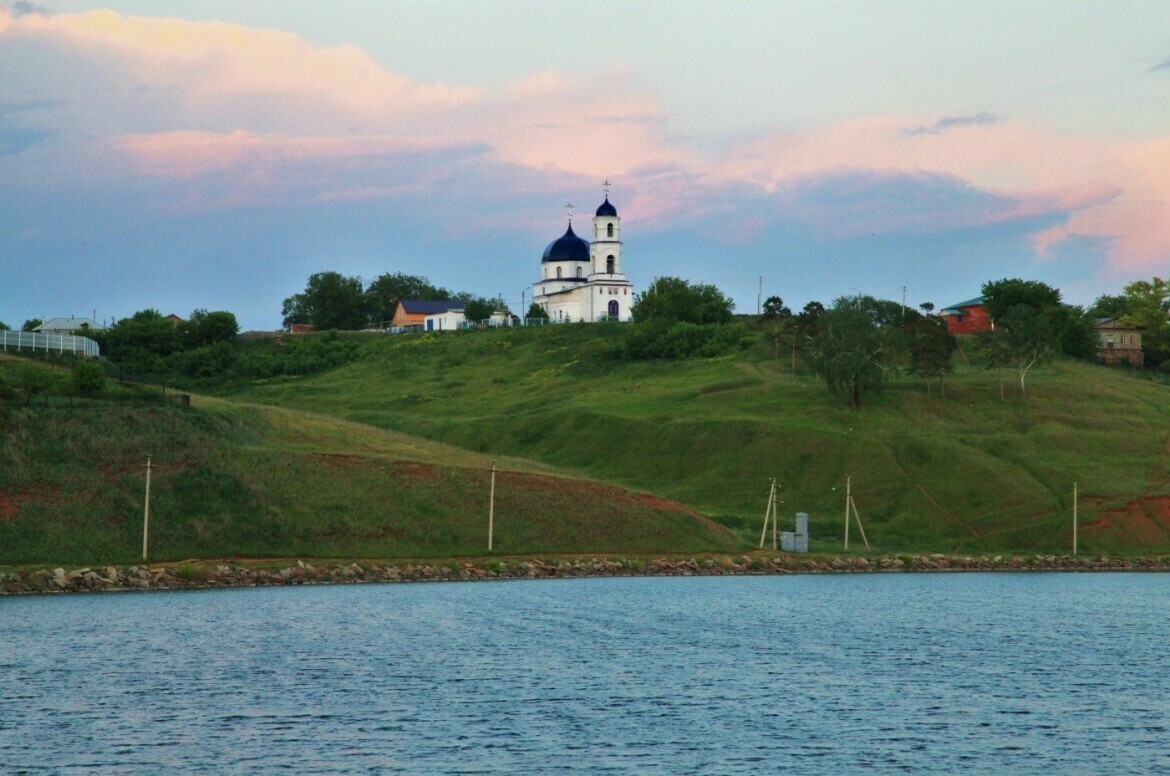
column 558, row 273
column 613, row 308
column 578, row 272
column 609, row 230
column 609, row 264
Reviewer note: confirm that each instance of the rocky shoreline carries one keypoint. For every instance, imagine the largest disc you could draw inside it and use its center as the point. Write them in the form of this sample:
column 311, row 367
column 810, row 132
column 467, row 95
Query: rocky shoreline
column 210, row 574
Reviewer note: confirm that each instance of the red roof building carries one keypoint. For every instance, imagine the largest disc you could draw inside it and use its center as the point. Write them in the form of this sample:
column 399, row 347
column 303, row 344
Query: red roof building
column 968, row 317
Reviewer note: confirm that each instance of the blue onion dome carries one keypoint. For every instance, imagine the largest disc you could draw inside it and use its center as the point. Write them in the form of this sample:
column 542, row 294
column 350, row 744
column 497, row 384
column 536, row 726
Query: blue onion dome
column 570, row 247
column 607, row 209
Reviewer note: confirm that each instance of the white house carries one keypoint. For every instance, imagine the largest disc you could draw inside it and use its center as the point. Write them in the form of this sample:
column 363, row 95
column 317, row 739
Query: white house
column 583, row 281
column 68, row 326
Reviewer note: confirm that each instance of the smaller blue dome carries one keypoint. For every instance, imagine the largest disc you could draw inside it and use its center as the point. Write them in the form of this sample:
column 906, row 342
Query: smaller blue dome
column 606, row 210
column 568, row 247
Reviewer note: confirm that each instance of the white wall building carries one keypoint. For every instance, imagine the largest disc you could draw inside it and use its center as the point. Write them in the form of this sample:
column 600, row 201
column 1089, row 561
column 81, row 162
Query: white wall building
column 583, row 281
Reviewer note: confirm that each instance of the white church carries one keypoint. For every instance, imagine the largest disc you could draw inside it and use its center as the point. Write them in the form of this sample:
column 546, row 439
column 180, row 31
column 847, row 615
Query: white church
column 583, row 281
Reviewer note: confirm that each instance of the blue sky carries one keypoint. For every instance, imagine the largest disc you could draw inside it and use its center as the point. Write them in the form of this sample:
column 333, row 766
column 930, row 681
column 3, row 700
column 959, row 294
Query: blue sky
column 213, row 155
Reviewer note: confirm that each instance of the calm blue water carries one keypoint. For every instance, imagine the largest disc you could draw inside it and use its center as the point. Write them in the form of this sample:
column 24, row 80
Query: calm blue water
column 970, row 673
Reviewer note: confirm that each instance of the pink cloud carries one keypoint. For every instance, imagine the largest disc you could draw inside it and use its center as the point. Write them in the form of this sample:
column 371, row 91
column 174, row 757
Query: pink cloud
column 190, row 153
column 218, row 64
column 241, row 102
column 1116, row 192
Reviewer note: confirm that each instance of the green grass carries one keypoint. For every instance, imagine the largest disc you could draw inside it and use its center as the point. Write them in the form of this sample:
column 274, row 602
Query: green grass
column 388, row 457
column 966, row 473
column 231, row 480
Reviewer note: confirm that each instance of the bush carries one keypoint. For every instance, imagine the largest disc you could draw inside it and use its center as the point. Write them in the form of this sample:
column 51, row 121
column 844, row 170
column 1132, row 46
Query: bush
column 207, row 361
column 34, row 379
column 660, row 339
column 89, row 379
column 299, row 355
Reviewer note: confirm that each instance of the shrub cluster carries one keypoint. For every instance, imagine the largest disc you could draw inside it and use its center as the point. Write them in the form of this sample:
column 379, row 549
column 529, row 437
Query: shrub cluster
column 655, row 339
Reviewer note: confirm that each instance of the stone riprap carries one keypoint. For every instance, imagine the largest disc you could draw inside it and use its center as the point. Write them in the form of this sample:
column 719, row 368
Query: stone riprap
column 201, row 574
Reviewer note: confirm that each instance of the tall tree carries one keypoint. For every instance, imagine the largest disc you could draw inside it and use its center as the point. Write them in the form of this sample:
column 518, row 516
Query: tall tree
column 1000, row 296
column 479, row 309
column 141, row 342
column 1023, row 337
column 1107, row 306
column 674, row 299
column 849, row 351
column 330, row 301
column 804, row 326
column 781, row 317
column 931, row 348
column 204, row 328
column 1149, row 309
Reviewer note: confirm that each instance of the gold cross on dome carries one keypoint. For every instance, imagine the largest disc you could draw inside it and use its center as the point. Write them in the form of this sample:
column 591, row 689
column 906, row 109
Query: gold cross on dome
column 606, row 187
column 569, row 209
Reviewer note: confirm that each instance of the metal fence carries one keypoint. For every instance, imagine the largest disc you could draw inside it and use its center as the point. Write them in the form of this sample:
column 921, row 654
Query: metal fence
column 48, row 343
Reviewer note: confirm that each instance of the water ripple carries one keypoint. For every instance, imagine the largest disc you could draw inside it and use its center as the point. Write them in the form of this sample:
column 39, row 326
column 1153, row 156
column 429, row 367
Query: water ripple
column 997, row 673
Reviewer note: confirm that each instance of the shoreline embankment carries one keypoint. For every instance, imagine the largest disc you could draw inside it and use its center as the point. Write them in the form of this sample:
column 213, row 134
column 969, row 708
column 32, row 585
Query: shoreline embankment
column 201, row 574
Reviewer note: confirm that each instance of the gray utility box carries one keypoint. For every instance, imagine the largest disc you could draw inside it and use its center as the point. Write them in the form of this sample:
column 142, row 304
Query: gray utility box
column 796, row 541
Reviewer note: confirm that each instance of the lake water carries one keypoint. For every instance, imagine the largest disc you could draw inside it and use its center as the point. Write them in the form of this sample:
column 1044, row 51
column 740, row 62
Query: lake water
column 929, row 673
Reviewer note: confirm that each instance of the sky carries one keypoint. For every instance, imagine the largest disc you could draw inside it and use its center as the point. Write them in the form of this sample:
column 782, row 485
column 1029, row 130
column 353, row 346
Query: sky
column 213, row 155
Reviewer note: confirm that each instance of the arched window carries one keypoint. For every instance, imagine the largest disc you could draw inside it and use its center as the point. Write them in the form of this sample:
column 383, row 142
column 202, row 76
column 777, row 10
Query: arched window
column 613, row 309
column 558, row 273
column 578, row 272
column 609, row 230
column 609, row 262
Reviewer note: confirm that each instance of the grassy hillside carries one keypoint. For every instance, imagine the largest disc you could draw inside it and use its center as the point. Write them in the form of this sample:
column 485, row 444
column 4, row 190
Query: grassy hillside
column 237, row 480
column 966, row 473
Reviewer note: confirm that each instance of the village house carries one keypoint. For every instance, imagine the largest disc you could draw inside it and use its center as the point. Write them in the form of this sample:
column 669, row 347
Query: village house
column 68, row 326
column 968, row 317
column 427, row 315
column 1118, row 343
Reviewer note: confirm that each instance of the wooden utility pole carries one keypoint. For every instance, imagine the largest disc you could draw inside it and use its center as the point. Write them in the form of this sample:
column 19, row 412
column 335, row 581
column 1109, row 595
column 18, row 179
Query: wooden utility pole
column 146, row 514
column 492, row 507
column 1074, row 517
column 849, row 505
column 770, row 512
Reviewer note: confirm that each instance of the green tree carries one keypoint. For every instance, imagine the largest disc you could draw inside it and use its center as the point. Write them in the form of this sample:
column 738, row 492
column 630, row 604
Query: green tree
column 675, row 300
column 88, row 378
column 478, row 309
column 204, row 328
column 1106, row 306
column 1000, row 296
column 330, row 301
column 4, row 326
column 849, row 351
column 388, row 289
column 774, row 307
column 31, row 324
column 804, row 326
column 536, row 311
column 782, row 324
column 931, row 348
column 34, row 380
column 1023, row 338
column 1149, row 310
column 142, row 342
